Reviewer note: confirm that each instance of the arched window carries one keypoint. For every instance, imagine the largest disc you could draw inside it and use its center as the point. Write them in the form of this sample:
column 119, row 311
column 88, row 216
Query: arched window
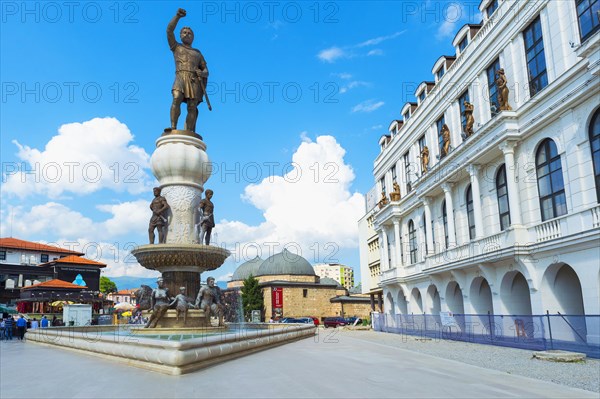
column 595, row 146
column 502, row 192
column 470, row 212
column 412, row 241
column 551, row 187
column 445, row 222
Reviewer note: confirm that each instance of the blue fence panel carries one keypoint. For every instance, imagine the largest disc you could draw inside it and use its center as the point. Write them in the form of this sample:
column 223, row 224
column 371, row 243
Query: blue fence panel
column 533, row 332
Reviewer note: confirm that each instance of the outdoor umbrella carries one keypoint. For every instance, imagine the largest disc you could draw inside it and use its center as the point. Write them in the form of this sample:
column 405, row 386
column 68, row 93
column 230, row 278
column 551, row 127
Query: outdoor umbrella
column 4, row 309
column 61, row 303
column 124, row 306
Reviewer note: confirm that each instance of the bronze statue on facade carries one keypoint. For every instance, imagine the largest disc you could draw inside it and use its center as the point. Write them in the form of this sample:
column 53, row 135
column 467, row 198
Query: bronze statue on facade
column 159, row 208
column 182, row 303
column 502, row 85
column 424, row 159
column 159, row 302
column 209, row 300
column 445, row 141
column 384, row 200
column 470, row 121
column 395, row 195
column 206, row 218
column 191, row 74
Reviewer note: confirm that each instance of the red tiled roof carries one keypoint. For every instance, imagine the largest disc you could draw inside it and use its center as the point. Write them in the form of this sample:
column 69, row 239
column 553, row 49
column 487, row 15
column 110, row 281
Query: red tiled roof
column 124, row 292
column 78, row 260
column 56, row 283
column 9, row 242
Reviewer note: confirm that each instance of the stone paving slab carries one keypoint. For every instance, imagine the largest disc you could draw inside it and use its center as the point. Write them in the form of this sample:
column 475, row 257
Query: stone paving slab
column 331, row 365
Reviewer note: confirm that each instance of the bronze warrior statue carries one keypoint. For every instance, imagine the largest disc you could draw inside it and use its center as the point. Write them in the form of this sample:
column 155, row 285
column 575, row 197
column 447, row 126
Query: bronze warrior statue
column 191, row 74
column 159, row 208
column 159, row 302
column 209, row 300
column 207, row 219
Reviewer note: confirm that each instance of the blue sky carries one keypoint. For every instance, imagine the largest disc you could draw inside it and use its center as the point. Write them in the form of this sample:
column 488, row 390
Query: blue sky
column 316, row 83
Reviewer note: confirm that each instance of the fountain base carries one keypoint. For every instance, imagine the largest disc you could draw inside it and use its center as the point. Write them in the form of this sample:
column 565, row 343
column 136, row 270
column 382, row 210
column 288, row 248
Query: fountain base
column 175, row 352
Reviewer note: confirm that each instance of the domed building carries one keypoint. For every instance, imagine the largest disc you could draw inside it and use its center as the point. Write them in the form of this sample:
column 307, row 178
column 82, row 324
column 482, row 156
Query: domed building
column 291, row 288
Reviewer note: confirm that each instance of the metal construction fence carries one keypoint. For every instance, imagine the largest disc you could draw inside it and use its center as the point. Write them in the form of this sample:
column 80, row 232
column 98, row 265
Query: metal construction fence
column 573, row 333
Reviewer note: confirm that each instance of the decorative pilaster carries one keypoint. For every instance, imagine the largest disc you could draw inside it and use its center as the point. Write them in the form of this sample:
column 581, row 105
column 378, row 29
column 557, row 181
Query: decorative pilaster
column 398, row 243
column 447, row 187
column 474, row 172
column 508, row 148
column 428, row 225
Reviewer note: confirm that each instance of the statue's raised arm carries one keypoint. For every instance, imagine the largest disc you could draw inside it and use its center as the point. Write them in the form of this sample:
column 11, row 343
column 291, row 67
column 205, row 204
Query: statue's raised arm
column 171, row 28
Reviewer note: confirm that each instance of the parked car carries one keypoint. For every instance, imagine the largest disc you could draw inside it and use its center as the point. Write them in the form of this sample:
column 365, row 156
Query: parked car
column 334, row 322
column 308, row 320
column 351, row 321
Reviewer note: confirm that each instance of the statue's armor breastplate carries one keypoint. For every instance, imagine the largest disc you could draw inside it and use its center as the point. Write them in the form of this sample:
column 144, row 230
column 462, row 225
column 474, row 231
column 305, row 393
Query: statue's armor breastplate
column 186, row 59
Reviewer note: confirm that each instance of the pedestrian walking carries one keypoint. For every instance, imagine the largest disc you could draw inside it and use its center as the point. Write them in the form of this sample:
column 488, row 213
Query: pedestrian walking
column 35, row 324
column 8, row 327
column 45, row 322
column 21, row 326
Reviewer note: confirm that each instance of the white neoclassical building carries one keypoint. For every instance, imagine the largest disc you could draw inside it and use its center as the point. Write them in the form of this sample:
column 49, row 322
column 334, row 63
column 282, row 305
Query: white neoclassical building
column 505, row 220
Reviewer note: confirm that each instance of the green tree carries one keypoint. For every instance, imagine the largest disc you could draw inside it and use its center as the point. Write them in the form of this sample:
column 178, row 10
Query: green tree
column 107, row 285
column 252, row 297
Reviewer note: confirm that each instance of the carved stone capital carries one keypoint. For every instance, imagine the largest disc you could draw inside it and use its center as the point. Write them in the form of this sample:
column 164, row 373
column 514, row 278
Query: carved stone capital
column 447, row 187
column 473, row 169
column 508, row 147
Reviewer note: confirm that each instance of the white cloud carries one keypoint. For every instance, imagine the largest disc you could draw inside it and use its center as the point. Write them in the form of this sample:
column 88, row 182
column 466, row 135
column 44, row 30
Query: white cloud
column 377, row 40
column 311, row 206
column 352, row 85
column 109, row 241
column 453, row 16
column 83, row 158
column 367, row 106
column 224, row 277
column 331, row 54
column 376, row 51
column 335, row 53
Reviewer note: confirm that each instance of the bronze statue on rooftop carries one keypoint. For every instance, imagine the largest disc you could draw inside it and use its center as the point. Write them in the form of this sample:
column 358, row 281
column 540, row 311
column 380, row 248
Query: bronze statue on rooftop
column 470, row 121
column 502, row 84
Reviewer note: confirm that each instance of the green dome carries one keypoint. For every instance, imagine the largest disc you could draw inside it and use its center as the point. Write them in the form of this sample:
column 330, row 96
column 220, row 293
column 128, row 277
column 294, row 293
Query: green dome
column 247, row 268
column 286, row 263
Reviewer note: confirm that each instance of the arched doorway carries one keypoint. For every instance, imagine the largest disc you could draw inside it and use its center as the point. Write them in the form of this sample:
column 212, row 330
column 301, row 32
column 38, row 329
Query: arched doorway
column 416, row 301
column 481, row 302
column 562, row 293
column 514, row 293
column 433, row 305
column 402, row 304
column 454, row 298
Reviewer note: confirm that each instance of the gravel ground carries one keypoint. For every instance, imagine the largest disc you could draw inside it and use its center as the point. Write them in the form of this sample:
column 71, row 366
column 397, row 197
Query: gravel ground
column 583, row 375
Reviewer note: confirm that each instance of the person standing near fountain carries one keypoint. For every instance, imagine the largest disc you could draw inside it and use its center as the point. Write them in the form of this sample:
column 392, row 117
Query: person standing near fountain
column 209, row 300
column 159, row 208
column 207, row 220
column 159, row 302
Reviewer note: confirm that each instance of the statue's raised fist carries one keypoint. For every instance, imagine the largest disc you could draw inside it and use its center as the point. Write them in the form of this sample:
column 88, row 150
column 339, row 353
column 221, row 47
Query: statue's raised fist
column 181, row 12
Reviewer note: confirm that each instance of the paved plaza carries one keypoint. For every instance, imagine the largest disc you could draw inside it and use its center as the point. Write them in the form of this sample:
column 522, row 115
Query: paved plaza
column 336, row 364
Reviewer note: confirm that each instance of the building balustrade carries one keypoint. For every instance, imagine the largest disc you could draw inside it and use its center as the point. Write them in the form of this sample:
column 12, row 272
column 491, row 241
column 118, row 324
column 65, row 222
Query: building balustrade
column 493, row 247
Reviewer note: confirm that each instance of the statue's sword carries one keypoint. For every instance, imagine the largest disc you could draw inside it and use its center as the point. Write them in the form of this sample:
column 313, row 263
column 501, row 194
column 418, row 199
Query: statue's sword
column 205, row 93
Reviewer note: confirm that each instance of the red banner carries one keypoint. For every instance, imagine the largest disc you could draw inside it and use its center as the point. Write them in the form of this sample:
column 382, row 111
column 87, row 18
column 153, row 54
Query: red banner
column 277, row 297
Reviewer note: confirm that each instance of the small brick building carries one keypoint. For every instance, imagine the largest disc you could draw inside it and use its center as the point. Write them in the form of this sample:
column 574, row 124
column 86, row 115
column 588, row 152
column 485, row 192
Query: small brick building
column 292, row 289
